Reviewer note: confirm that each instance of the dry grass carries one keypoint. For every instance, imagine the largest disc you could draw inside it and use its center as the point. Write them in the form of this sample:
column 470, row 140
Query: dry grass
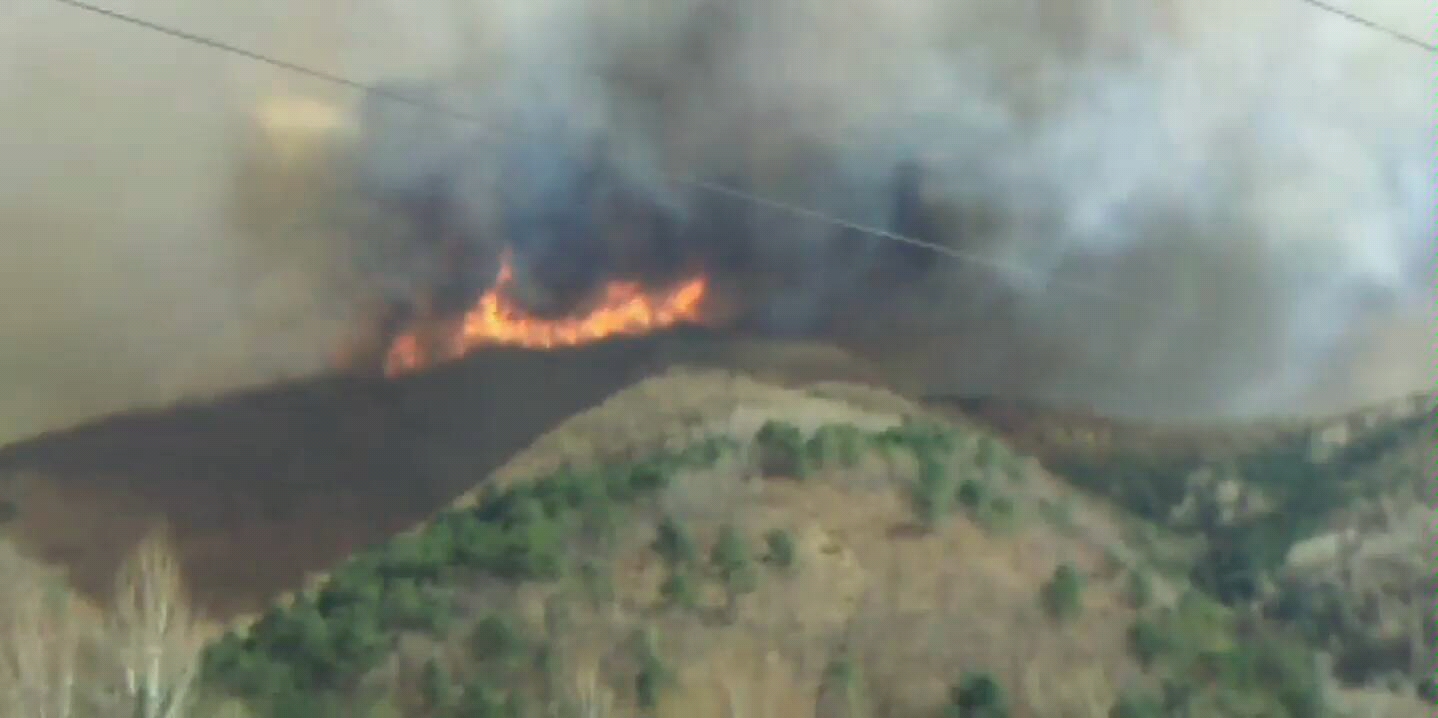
column 679, row 406
column 918, row 609
column 1381, row 703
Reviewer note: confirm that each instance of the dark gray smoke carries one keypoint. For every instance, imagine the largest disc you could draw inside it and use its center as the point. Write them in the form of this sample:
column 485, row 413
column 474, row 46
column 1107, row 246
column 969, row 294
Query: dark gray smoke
column 1173, row 209
column 1254, row 179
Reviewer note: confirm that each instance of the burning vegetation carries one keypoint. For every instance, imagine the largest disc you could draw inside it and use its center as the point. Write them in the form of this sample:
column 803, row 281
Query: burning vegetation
column 621, row 308
column 547, row 243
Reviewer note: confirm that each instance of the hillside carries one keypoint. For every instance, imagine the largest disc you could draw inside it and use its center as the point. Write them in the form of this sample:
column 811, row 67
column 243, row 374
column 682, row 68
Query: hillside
column 1325, row 524
column 929, row 554
column 862, row 567
column 262, row 487
column 790, row 538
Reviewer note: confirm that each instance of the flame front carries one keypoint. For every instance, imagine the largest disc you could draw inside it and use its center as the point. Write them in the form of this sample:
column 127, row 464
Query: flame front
column 622, row 309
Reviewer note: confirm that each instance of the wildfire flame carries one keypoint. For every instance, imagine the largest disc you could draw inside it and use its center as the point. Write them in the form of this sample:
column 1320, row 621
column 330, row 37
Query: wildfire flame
column 622, row 309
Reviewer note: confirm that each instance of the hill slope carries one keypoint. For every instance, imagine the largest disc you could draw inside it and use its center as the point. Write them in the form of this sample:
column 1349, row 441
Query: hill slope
column 705, row 544
column 787, row 539
column 263, row 487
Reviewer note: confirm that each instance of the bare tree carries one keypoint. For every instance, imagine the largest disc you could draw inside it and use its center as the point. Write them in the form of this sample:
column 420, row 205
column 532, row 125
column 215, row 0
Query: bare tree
column 40, row 636
column 591, row 698
column 154, row 634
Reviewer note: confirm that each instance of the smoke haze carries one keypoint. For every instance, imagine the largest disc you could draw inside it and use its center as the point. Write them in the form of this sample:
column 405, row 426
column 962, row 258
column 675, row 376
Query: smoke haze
column 1254, row 181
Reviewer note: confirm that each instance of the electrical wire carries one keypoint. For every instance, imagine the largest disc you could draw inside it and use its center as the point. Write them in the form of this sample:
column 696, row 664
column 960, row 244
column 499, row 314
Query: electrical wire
column 694, row 182
column 1371, row 25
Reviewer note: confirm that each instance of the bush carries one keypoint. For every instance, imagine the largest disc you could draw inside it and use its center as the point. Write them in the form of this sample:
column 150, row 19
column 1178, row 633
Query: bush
column 978, row 695
column 1207, row 656
column 678, row 590
column 781, row 449
column 596, row 581
column 1140, row 589
column 972, row 494
column 497, row 639
column 999, row 514
column 482, row 700
column 1240, row 556
column 707, row 453
column 647, row 685
column 988, row 452
column 843, row 671
column 1135, row 704
column 781, row 547
column 920, row 438
column 835, row 445
column 842, row 689
column 653, row 675
column 934, row 491
column 1147, row 641
column 407, row 605
column 1284, row 667
column 994, row 511
column 1428, row 689
column 1063, row 594
column 436, row 687
column 733, row 562
column 730, row 556
column 674, row 544
column 648, row 477
column 922, row 435
column 301, row 704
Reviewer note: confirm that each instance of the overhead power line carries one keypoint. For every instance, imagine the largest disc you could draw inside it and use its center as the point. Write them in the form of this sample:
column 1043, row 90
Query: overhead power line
column 697, row 183
column 1356, row 18
column 268, row 60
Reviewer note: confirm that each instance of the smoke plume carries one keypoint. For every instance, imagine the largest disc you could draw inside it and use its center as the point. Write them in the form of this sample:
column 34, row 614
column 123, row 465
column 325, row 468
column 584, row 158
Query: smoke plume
column 1243, row 189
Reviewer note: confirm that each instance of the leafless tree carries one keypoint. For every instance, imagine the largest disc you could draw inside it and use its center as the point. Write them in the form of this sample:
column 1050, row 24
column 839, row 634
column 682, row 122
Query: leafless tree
column 40, row 636
column 154, row 633
column 591, row 698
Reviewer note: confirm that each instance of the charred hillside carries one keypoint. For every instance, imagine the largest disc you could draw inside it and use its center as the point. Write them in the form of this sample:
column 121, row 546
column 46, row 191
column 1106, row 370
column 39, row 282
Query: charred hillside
column 265, row 486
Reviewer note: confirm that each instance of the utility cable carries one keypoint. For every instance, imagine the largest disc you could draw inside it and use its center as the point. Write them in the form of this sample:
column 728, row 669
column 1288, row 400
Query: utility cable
column 697, row 183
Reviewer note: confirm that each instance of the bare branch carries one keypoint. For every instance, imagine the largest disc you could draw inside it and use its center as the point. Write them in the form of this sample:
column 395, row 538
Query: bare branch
column 40, row 637
column 154, row 633
column 592, row 699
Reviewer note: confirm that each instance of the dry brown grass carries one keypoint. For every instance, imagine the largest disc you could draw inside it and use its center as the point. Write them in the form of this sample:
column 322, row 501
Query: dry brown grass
column 1381, row 703
column 679, row 406
column 917, row 612
column 916, row 609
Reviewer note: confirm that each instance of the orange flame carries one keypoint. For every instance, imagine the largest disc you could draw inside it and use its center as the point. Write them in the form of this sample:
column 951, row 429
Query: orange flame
column 622, row 309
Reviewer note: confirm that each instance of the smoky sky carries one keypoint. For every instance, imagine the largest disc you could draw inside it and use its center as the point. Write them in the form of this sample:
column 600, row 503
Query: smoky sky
column 1254, row 180
column 1167, row 209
